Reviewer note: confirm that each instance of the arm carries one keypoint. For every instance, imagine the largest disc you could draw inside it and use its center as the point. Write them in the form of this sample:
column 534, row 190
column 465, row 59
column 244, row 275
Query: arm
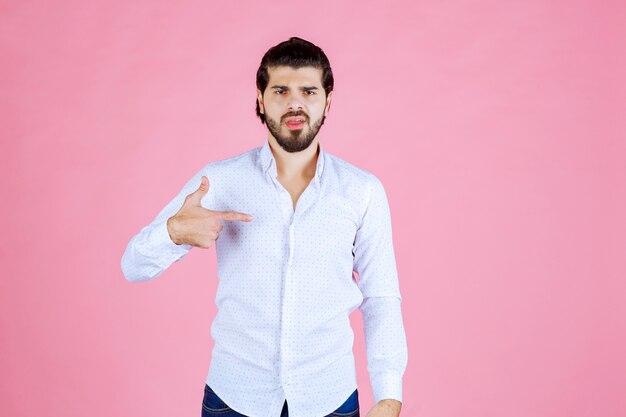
column 374, row 261
column 152, row 250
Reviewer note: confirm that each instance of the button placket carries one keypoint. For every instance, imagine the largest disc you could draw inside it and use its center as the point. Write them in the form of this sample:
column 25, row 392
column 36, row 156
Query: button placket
column 287, row 302
column 290, row 214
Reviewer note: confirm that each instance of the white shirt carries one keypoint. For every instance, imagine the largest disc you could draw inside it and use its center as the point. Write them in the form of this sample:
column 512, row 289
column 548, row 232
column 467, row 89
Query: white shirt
column 286, row 284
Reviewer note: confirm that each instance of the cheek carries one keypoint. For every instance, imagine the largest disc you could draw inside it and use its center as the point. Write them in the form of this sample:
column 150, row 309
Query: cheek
column 317, row 112
column 273, row 106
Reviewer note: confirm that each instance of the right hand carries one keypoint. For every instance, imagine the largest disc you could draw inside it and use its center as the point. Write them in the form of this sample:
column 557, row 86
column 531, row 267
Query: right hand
column 194, row 225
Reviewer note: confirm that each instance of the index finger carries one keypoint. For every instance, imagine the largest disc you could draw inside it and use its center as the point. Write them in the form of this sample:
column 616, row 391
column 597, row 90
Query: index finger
column 232, row 215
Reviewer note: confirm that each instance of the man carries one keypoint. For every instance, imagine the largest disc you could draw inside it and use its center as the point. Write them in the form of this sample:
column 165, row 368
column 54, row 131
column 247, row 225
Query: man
column 305, row 221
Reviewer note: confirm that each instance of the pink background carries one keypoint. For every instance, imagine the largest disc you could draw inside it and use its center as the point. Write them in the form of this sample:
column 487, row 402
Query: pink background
column 497, row 128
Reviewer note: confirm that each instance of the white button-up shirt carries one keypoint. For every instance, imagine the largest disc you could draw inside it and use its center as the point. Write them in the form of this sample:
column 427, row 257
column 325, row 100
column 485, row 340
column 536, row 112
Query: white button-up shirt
column 286, row 284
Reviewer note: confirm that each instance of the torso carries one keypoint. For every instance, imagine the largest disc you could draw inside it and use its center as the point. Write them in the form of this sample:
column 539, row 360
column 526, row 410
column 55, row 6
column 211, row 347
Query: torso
column 295, row 188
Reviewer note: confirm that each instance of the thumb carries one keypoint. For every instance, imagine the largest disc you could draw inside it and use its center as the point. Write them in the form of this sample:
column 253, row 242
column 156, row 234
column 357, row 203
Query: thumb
column 196, row 196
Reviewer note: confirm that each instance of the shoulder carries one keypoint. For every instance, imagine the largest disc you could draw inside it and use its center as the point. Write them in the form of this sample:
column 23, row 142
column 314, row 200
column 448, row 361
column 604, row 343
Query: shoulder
column 237, row 161
column 349, row 174
column 221, row 172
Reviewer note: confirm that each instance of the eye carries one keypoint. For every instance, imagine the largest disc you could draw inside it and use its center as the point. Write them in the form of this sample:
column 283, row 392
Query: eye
column 310, row 92
column 279, row 91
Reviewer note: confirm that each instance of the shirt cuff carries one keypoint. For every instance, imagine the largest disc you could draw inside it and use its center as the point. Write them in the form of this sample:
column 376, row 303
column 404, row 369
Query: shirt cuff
column 168, row 250
column 387, row 385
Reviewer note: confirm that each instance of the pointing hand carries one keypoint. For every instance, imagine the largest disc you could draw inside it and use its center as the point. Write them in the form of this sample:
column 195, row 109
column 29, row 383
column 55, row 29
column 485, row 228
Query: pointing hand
column 197, row 226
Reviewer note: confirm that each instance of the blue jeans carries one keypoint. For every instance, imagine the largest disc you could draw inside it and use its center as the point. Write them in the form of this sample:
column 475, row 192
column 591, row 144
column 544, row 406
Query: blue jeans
column 213, row 406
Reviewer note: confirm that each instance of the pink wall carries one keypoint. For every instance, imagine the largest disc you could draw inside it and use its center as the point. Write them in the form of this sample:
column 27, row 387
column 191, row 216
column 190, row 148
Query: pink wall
column 497, row 128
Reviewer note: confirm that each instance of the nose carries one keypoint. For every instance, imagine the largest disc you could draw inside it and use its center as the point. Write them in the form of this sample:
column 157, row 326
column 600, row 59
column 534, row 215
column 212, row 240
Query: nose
column 295, row 104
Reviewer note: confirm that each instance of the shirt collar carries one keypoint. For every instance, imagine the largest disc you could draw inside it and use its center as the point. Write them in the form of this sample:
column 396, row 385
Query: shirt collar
column 266, row 158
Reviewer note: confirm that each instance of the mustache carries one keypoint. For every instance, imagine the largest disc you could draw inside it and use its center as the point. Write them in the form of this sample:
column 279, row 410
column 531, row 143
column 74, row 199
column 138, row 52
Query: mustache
column 294, row 114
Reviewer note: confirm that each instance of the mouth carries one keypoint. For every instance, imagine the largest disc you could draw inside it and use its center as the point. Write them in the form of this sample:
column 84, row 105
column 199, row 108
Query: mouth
column 296, row 122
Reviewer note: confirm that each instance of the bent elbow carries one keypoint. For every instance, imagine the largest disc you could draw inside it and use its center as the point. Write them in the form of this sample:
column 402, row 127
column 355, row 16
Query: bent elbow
column 133, row 272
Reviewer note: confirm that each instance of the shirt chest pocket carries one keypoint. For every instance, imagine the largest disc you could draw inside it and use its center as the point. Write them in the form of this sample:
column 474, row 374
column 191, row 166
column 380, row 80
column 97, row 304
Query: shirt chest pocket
column 331, row 227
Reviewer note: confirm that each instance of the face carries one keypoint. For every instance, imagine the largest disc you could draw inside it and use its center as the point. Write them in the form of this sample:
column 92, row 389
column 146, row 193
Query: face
column 295, row 105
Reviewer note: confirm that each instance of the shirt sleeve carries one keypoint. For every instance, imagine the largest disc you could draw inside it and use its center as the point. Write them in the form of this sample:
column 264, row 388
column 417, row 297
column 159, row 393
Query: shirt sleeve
column 374, row 262
column 152, row 250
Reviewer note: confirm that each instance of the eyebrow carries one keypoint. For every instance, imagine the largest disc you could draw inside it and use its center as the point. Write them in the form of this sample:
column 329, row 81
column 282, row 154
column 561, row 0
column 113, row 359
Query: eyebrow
column 284, row 87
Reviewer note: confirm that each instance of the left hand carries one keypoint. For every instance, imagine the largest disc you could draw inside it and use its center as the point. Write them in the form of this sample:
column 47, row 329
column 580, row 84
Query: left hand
column 385, row 408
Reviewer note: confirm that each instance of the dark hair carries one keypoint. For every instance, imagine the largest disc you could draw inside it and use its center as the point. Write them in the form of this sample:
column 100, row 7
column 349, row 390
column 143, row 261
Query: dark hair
column 296, row 53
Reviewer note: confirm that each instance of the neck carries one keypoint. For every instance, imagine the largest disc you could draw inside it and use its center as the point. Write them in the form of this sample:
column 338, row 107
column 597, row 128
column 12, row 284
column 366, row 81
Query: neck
column 297, row 164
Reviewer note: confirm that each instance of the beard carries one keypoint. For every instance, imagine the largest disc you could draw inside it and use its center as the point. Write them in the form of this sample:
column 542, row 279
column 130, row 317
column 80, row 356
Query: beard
column 294, row 140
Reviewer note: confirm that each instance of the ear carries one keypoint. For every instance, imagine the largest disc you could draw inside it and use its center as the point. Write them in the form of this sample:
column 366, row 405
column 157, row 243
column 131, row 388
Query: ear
column 259, row 96
column 328, row 100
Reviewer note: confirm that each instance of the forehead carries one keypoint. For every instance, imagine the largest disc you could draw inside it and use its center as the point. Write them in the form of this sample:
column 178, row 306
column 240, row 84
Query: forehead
column 297, row 76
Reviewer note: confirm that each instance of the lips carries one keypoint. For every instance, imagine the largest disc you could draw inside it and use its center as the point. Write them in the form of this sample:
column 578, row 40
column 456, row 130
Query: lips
column 295, row 122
